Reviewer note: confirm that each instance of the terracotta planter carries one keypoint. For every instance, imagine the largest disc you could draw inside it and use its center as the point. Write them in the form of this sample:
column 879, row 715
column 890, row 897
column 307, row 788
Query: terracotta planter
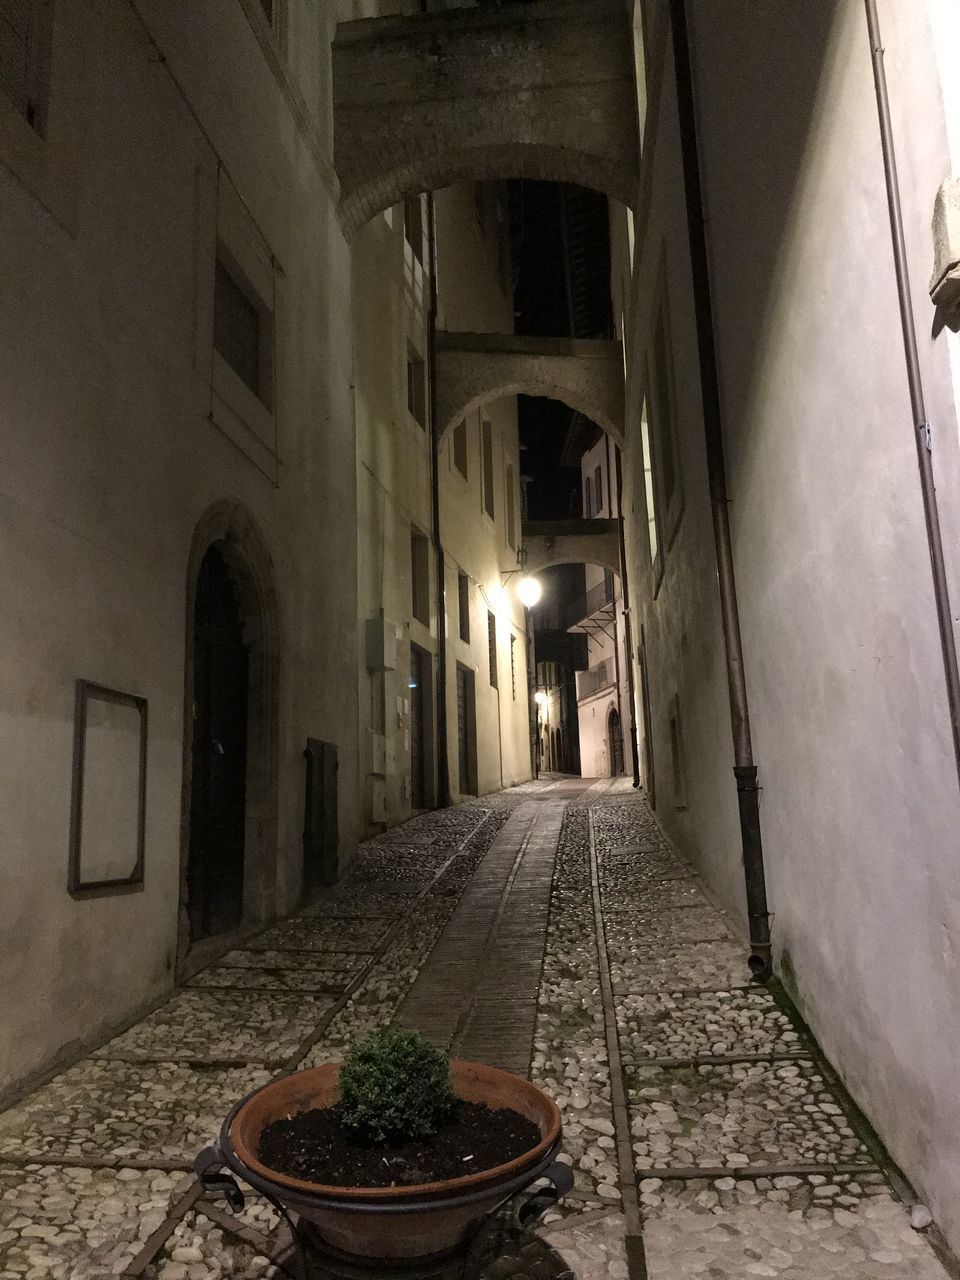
column 392, row 1223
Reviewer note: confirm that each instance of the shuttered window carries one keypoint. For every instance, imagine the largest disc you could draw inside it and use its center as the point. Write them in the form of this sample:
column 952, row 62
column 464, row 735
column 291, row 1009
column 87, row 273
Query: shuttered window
column 492, row 643
column 237, row 331
column 511, row 509
column 24, row 57
column 463, row 600
column 488, row 500
column 460, row 448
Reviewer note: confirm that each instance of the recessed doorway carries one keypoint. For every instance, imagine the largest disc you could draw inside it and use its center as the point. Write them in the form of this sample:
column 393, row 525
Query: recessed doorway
column 221, row 683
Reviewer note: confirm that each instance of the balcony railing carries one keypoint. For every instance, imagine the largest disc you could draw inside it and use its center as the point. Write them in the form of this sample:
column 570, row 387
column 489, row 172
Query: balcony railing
column 597, row 598
column 594, row 679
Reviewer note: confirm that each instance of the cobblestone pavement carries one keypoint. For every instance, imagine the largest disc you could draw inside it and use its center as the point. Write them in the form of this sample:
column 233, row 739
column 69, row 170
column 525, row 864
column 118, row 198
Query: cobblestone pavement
column 704, row 1132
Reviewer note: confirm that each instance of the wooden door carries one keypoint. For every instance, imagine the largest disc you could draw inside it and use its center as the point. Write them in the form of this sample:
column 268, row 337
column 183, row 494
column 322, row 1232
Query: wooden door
column 219, row 749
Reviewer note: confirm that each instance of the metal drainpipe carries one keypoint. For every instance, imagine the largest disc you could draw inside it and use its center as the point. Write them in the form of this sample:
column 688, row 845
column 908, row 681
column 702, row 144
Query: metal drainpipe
column 627, row 627
column 443, row 764
column 921, row 427
column 745, row 769
column 616, row 642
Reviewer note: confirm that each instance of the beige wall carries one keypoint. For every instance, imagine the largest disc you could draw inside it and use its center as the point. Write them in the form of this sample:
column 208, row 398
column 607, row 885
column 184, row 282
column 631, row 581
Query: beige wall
column 476, row 296
column 860, row 803
column 394, row 478
column 608, row 644
column 120, row 431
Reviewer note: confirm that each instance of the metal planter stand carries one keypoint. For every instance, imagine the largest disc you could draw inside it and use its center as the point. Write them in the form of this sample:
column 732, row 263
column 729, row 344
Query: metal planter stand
column 529, row 1195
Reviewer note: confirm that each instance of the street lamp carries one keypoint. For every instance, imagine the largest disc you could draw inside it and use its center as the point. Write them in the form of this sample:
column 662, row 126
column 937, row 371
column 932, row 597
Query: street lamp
column 529, row 591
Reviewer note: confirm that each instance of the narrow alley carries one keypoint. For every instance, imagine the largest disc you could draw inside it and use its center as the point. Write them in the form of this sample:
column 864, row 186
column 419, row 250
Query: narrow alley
column 550, row 929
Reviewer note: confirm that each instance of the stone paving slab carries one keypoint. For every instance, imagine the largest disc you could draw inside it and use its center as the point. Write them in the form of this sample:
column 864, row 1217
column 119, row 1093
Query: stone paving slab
column 62, row 1223
column 221, row 1026
column 399, row 863
column 302, row 934
column 644, row 867
column 645, row 903
column 678, row 966
column 343, row 961
column 253, row 978
column 199, row 1249
column 705, row 1024
column 359, row 903
column 734, row 1115
column 592, row 1246
column 866, row 1240
column 107, row 1108
column 625, row 929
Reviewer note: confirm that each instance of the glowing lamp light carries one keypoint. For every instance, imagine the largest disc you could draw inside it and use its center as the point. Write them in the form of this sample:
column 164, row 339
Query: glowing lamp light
column 540, row 698
column 529, row 591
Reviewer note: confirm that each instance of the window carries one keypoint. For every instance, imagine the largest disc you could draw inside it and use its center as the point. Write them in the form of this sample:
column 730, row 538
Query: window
column 242, row 329
column 587, row 505
column 492, row 646
column 488, row 503
column 649, row 493
column 416, row 386
column 25, row 27
column 463, row 599
column 598, row 489
column 511, row 509
column 420, row 575
column 480, row 207
column 513, row 667
column 663, row 419
column 460, row 448
column 413, row 225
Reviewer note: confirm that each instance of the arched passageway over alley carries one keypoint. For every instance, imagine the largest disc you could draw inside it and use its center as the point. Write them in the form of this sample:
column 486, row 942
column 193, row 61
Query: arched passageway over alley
column 474, row 368
column 537, row 91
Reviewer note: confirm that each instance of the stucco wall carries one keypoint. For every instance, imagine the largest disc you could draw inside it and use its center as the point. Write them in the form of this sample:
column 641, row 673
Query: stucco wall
column 860, row 803
column 394, row 478
column 111, row 458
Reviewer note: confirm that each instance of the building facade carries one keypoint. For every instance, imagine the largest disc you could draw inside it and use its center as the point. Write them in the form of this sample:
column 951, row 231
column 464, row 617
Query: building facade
column 221, row 627
column 604, row 705
column 849, row 721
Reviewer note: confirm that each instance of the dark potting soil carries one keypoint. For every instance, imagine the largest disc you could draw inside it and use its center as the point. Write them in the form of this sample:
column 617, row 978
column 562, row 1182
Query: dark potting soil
column 317, row 1146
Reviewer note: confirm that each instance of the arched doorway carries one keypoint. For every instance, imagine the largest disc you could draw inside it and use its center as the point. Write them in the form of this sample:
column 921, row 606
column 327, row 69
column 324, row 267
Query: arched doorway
column 228, row 850
column 221, row 685
column 614, row 743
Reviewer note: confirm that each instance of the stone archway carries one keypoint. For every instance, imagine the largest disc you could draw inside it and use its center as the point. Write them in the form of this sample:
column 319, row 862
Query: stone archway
column 585, row 374
column 229, row 531
column 554, row 542
column 535, row 91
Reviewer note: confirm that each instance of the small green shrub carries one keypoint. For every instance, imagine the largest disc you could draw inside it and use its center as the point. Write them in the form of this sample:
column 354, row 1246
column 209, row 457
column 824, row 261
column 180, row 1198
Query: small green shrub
column 395, row 1087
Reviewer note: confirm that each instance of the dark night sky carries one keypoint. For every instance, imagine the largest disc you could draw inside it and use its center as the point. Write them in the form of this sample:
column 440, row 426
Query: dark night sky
column 542, row 310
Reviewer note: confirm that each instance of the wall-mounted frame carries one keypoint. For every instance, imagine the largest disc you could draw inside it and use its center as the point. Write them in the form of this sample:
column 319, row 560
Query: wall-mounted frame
column 108, row 811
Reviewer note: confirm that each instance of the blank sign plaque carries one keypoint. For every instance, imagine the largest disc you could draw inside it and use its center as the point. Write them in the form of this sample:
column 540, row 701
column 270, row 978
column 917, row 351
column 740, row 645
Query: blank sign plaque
column 109, row 790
